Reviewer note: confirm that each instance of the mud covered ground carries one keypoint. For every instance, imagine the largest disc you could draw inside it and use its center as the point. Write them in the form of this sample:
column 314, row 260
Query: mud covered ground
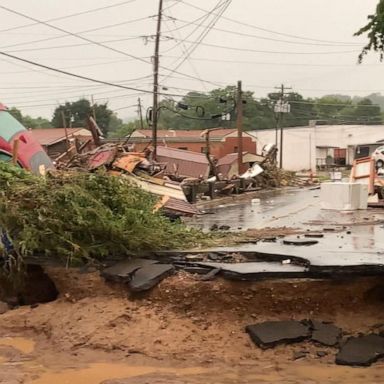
column 184, row 331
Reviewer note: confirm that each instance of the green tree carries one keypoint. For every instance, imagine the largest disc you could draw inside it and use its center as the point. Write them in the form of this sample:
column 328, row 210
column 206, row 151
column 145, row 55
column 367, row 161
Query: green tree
column 375, row 32
column 367, row 113
column 76, row 114
column 16, row 113
column 28, row 121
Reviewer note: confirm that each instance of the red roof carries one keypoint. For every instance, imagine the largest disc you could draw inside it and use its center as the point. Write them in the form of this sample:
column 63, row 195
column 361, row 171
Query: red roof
column 229, row 159
column 49, row 136
column 183, row 163
column 193, row 133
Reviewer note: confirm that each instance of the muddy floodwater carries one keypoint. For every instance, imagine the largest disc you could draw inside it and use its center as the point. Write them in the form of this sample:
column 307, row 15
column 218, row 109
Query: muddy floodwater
column 124, row 373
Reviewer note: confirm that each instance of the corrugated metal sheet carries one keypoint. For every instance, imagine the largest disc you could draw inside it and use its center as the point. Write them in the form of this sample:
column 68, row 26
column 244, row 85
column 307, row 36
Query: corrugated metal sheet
column 128, row 162
column 183, row 163
column 181, row 207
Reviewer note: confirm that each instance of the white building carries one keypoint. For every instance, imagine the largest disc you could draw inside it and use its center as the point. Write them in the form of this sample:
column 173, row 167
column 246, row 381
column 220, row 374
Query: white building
column 309, row 147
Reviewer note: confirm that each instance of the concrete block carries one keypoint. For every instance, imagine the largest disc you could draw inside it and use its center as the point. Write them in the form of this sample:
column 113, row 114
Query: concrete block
column 344, row 196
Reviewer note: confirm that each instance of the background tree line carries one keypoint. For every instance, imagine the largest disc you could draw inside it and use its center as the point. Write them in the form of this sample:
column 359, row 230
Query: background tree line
column 217, row 108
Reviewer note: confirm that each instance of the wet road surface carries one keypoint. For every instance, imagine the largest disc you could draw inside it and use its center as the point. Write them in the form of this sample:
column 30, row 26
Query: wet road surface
column 350, row 237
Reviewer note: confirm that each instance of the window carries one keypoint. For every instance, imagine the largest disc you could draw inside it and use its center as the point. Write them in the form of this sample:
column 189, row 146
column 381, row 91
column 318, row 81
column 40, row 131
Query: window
column 183, row 148
column 235, row 149
column 9, row 126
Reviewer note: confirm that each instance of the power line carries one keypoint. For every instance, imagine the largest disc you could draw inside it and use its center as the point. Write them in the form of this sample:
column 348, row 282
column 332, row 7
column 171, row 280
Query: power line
column 184, row 48
column 71, row 15
column 77, row 35
column 201, row 19
column 272, row 52
column 274, row 63
column 272, row 39
column 91, row 41
column 265, row 29
column 203, row 34
column 86, row 77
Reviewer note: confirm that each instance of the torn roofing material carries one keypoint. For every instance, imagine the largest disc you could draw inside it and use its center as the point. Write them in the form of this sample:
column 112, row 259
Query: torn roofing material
column 183, row 163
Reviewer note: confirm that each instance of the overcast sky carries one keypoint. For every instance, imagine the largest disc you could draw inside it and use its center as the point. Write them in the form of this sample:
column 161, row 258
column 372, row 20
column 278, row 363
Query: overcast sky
column 305, row 44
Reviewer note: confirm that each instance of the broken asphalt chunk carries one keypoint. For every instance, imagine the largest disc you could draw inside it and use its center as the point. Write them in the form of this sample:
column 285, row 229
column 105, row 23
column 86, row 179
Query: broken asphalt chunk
column 296, row 241
column 325, row 333
column 123, row 271
column 314, row 235
column 210, row 275
column 361, row 351
column 150, row 275
column 272, row 333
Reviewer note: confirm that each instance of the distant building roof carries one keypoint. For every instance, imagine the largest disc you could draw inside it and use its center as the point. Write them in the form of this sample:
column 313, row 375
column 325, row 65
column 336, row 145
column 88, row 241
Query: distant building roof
column 50, row 136
column 183, row 163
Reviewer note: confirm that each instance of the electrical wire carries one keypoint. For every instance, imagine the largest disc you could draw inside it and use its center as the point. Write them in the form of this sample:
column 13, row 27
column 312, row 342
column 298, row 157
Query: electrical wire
column 91, row 41
column 86, row 77
column 264, row 29
column 72, row 15
column 201, row 19
column 273, row 63
column 272, row 52
column 203, row 34
column 270, row 38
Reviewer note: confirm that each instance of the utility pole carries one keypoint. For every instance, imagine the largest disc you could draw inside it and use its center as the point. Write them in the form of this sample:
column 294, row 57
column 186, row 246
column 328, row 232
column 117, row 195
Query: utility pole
column 140, row 112
column 93, row 108
column 156, row 80
column 65, row 127
column 239, row 125
column 281, row 107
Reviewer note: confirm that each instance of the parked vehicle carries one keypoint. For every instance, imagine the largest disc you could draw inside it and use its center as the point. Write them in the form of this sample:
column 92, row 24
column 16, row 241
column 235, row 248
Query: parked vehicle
column 378, row 156
column 30, row 154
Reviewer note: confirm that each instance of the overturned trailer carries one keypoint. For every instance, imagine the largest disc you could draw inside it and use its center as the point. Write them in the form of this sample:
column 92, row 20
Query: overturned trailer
column 19, row 146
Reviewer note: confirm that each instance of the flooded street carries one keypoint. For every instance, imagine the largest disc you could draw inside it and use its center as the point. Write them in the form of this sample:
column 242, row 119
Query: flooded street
column 349, row 237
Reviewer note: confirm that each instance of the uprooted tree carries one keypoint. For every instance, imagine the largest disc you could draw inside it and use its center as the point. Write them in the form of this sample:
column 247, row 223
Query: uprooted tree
column 80, row 217
column 375, row 31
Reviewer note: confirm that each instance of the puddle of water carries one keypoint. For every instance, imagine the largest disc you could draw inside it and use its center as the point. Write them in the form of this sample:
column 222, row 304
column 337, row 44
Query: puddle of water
column 22, row 344
column 97, row 373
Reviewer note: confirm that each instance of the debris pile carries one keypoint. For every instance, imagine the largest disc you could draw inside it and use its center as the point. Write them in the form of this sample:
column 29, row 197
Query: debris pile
column 275, row 177
column 140, row 169
column 176, row 190
column 80, row 216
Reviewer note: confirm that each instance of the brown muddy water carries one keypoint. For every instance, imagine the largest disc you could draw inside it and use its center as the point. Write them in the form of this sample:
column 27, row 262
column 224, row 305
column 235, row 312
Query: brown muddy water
column 124, row 373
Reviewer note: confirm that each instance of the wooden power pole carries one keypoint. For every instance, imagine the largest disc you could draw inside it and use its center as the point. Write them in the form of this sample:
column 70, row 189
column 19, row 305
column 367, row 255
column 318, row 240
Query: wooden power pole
column 156, row 80
column 65, row 128
column 239, row 125
column 140, row 111
column 281, row 108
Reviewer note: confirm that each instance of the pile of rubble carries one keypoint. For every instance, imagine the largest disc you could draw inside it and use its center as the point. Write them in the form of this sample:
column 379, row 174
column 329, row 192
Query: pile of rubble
column 177, row 192
column 138, row 168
